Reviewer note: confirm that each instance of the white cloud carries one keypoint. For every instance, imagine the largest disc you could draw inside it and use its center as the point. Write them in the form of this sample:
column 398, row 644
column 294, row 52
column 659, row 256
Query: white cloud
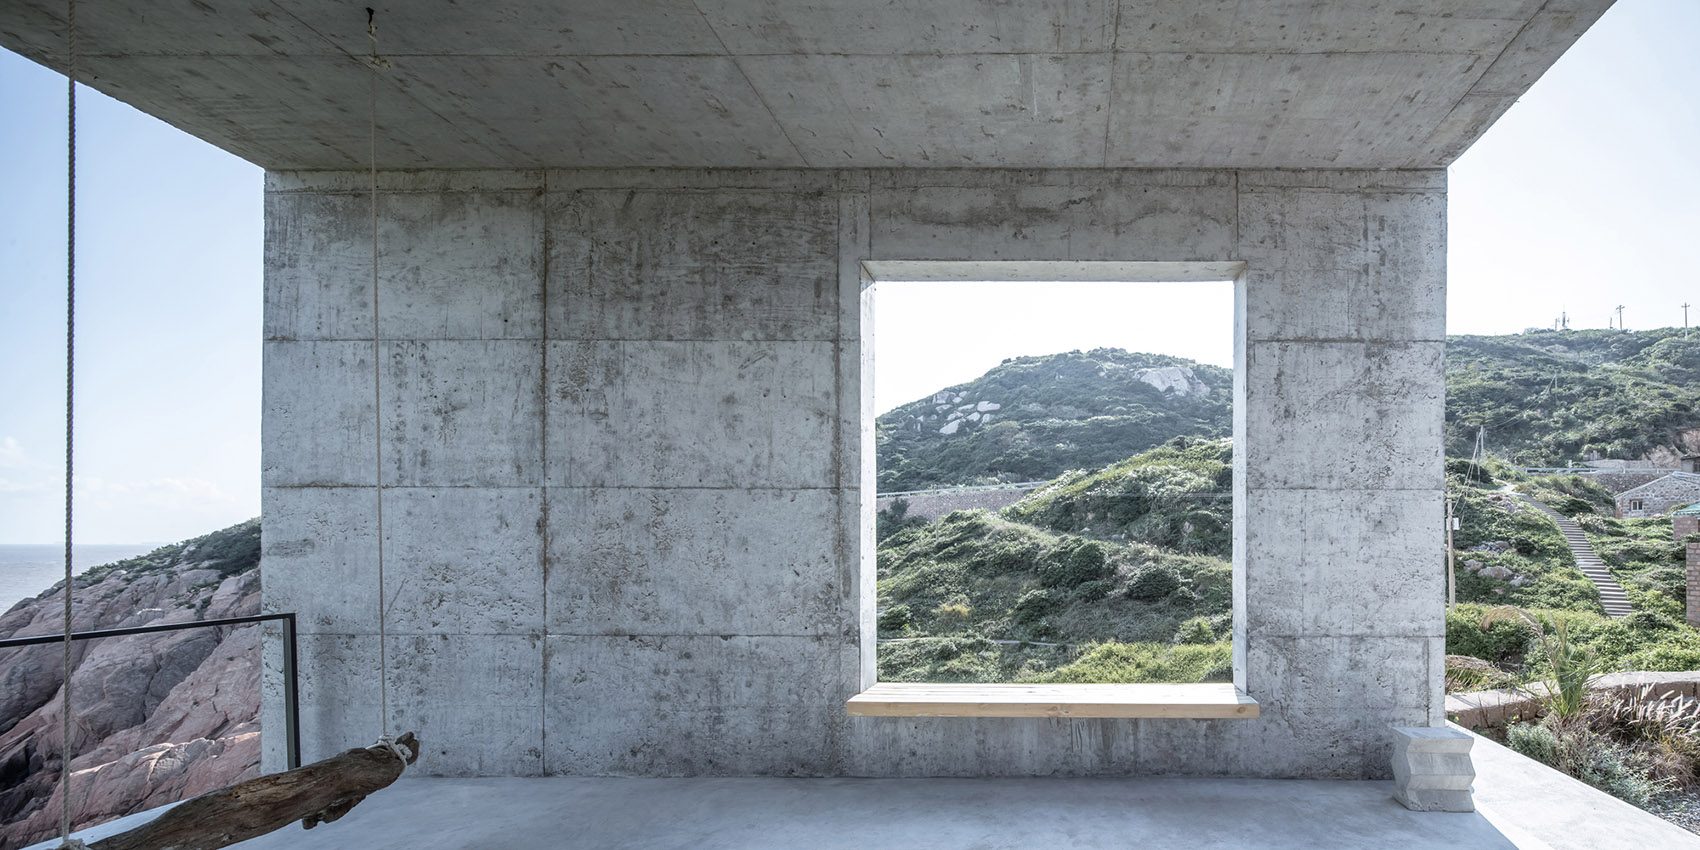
column 10, row 487
column 170, row 493
column 13, row 456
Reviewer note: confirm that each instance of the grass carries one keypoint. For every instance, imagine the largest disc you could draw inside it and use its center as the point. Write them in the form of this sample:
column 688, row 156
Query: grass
column 1644, row 558
column 227, row 551
column 1171, row 496
column 1499, row 530
column 1642, row 641
column 955, row 659
column 974, row 596
column 971, row 574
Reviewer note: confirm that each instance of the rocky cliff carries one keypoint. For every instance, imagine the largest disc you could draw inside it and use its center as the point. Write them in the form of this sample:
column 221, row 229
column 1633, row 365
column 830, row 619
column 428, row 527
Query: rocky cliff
column 155, row 718
column 1032, row 418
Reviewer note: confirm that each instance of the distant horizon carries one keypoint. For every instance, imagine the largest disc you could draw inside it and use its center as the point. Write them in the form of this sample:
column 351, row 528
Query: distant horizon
column 125, row 543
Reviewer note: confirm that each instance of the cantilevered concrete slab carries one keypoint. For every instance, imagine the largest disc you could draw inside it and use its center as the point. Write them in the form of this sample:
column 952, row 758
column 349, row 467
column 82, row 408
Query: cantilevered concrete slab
column 787, row 83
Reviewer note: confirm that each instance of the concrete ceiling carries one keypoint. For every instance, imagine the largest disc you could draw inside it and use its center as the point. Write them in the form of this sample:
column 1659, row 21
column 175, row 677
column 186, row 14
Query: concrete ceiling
column 821, row 83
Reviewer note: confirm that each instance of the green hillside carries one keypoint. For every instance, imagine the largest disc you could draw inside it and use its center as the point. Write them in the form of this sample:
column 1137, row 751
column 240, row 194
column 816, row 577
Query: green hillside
column 1032, row 418
column 1549, row 398
column 1178, row 496
column 1046, row 592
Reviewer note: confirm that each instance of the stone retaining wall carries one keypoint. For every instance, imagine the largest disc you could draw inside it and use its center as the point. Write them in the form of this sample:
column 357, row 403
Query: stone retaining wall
column 1496, row 708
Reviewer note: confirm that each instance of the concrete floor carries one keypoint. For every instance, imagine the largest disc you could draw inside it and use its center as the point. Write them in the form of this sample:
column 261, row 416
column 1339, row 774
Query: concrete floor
column 1521, row 805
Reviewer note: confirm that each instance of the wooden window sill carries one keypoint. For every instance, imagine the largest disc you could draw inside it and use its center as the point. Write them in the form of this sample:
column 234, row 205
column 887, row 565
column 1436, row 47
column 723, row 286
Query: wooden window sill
column 920, row 699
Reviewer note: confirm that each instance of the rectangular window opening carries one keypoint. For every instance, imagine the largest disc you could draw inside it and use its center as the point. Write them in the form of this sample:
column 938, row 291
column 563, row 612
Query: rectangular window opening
column 1049, row 490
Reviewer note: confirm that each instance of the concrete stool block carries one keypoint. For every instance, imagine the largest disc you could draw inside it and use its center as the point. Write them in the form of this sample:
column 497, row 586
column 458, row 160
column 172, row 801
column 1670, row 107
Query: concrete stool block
column 1432, row 770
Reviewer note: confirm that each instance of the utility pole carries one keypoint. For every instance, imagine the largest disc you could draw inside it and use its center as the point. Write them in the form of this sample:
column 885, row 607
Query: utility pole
column 1685, row 320
column 1620, row 317
column 1478, row 460
column 1564, row 320
column 1451, row 566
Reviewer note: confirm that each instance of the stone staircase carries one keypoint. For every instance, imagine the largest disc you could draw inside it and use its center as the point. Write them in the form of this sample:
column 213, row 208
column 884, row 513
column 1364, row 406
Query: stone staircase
column 1611, row 593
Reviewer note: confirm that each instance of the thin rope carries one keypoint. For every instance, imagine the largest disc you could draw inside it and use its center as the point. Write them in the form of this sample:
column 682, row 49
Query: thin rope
column 70, row 359
column 377, row 381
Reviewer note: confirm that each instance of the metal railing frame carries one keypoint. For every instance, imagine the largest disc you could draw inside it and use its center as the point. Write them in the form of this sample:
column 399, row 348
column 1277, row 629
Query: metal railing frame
column 291, row 694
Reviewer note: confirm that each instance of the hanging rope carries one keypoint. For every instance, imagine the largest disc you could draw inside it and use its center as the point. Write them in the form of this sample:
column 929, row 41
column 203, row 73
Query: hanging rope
column 374, row 63
column 65, row 840
column 298, row 795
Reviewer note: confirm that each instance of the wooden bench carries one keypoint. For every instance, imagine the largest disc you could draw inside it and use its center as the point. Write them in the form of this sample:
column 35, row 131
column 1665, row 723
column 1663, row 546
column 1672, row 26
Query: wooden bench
column 919, row 699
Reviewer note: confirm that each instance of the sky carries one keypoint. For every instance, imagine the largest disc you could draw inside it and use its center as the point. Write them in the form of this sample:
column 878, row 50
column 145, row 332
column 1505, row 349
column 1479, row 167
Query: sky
column 1582, row 198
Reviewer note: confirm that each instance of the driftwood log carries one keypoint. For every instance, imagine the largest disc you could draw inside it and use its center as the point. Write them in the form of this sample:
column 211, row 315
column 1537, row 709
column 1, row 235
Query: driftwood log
column 317, row 793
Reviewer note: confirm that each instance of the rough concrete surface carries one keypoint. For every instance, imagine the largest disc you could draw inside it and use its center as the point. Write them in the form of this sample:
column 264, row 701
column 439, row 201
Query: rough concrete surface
column 1431, row 769
column 769, row 84
column 627, row 533
column 1520, row 804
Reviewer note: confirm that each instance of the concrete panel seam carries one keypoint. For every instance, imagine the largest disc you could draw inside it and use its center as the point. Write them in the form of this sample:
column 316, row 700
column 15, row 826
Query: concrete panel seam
column 754, row 89
column 543, row 455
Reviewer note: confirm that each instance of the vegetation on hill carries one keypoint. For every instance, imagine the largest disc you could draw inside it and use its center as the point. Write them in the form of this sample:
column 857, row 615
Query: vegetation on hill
column 227, row 551
column 1118, row 570
column 1544, row 399
column 1178, row 496
column 1047, row 415
column 1511, row 554
column 1039, row 595
column 1550, row 398
column 1499, row 530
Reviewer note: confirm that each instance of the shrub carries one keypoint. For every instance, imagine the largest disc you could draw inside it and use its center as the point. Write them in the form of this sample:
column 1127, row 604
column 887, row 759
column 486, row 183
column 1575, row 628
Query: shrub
column 1008, row 556
column 1464, row 674
column 1071, row 567
column 1222, row 670
column 1091, row 591
column 1469, row 470
column 1145, row 662
column 895, row 619
column 1033, row 606
column 1498, row 641
column 1664, row 657
column 894, row 519
column 1153, row 582
column 1195, row 631
column 1571, row 665
column 1181, row 596
column 1622, row 773
column 1650, row 622
column 1534, row 741
column 952, row 613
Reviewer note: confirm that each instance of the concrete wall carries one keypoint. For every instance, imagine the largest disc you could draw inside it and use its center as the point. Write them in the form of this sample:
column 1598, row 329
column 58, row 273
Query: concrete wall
column 623, row 419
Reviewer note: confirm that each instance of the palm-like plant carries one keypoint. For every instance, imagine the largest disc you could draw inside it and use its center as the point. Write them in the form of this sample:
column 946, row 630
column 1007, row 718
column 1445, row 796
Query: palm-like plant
column 1572, row 666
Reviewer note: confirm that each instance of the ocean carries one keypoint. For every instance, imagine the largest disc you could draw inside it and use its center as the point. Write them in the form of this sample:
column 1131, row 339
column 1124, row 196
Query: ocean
column 28, row 569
